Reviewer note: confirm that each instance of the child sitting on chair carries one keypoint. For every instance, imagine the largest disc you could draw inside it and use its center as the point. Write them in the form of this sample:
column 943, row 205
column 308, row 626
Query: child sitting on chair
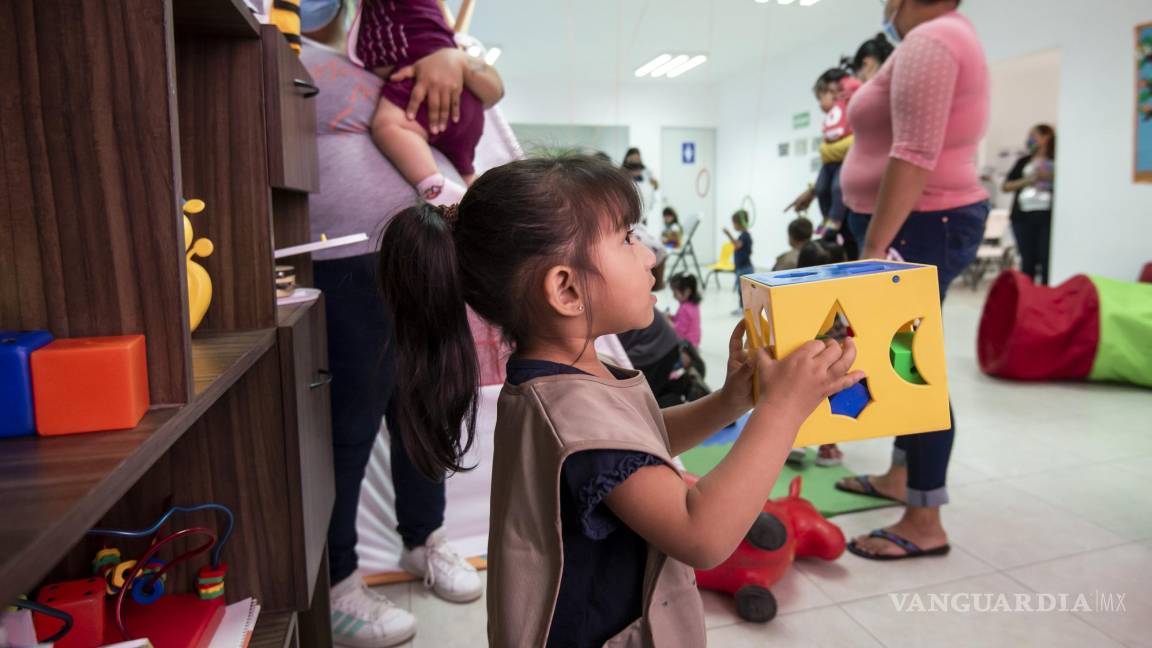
column 388, row 38
column 799, row 235
column 673, row 234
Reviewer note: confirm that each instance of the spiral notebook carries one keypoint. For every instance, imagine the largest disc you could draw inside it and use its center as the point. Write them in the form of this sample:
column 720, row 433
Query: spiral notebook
column 235, row 630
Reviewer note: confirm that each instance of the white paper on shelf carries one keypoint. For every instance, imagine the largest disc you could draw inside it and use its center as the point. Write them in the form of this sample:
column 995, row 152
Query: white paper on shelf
column 236, row 628
column 320, row 245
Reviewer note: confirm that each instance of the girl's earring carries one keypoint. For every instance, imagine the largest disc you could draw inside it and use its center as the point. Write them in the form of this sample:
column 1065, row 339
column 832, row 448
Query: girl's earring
column 581, row 308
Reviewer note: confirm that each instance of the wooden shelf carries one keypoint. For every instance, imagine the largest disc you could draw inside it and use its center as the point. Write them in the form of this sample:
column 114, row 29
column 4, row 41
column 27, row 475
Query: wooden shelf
column 56, row 488
column 215, row 17
column 274, row 630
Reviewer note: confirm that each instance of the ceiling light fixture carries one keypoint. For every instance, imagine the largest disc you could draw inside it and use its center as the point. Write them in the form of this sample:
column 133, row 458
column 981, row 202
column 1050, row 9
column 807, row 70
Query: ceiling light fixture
column 688, row 65
column 646, row 69
column 785, row 2
column 808, row 3
column 676, row 62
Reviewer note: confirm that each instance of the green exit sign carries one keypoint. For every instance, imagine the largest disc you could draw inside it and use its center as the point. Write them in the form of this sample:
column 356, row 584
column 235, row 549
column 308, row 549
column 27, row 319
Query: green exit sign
column 801, row 120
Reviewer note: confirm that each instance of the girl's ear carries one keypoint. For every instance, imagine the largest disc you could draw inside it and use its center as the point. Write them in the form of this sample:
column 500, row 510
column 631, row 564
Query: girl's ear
column 562, row 292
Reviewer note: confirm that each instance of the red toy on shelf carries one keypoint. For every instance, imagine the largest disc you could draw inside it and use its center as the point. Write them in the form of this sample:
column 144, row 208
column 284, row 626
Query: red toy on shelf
column 786, row 529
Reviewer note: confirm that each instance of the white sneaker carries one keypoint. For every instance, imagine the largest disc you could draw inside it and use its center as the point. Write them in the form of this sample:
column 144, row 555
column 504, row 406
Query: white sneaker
column 362, row 618
column 448, row 574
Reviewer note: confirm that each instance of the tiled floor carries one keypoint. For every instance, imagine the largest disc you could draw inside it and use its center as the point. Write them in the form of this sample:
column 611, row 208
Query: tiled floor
column 1050, row 495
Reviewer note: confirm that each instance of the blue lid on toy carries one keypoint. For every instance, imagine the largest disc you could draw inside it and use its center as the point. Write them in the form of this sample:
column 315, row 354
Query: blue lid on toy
column 27, row 340
column 829, row 272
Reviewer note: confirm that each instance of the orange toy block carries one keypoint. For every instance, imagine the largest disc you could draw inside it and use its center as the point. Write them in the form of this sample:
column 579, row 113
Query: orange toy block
column 90, row 384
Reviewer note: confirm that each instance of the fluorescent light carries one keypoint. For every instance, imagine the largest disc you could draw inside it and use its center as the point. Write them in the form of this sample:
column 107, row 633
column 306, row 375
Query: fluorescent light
column 691, row 63
column 670, row 65
column 785, row 2
column 493, row 54
column 645, row 69
column 808, row 3
column 763, row 1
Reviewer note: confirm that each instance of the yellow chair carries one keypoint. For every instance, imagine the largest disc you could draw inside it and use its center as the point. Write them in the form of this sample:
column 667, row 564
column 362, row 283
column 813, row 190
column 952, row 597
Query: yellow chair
column 725, row 264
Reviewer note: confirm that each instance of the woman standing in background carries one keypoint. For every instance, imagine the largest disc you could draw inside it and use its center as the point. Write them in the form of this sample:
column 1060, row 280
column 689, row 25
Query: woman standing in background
column 1031, row 179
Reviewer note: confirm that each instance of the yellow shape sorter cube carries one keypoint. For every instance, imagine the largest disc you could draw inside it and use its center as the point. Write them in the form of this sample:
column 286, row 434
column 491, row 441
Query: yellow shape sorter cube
column 891, row 310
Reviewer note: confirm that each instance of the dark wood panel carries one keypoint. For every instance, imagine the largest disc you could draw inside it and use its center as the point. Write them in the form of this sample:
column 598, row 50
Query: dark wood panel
column 292, row 227
column 55, row 488
column 308, row 438
column 315, row 623
column 275, row 630
column 91, row 237
column 290, row 93
column 215, row 17
column 224, row 163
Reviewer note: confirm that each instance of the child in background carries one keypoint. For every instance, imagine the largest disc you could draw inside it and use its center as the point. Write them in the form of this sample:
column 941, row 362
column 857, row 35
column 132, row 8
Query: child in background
column 588, row 508
column 388, row 38
column 742, row 255
column 673, row 231
column 686, row 321
column 834, row 89
column 799, row 235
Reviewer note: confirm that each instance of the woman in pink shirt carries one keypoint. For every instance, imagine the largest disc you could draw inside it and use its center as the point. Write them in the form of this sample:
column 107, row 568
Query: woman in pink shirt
column 911, row 185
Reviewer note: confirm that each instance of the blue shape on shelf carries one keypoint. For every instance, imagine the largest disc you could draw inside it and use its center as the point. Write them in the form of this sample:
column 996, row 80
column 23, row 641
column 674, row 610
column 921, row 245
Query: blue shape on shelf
column 16, row 413
column 829, row 272
column 851, row 401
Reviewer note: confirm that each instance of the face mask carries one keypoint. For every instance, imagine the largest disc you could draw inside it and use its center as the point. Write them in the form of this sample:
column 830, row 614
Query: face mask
column 889, row 28
column 1032, row 144
column 315, row 14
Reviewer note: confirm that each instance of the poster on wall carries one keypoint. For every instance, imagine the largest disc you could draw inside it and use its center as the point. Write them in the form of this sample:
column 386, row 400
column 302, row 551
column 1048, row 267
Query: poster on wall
column 1143, row 163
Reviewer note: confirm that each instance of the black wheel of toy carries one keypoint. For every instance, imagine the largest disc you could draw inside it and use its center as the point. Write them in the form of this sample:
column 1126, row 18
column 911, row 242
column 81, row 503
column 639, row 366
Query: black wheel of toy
column 755, row 604
column 767, row 532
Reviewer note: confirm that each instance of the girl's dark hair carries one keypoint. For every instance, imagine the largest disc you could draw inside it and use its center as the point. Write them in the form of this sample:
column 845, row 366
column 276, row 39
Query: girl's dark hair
column 632, row 151
column 687, row 283
column 740, row 216
column 668, row 211
column 829, row 77
column 1050, row 133
column 878, row 48
column 514, row 223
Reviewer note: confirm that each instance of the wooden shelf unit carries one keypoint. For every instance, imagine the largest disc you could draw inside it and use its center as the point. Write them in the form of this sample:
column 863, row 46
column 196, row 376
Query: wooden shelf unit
column 122, row 109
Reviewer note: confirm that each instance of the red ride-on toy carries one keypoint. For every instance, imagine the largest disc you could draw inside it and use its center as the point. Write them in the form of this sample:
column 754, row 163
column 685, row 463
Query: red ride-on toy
column 786, row 529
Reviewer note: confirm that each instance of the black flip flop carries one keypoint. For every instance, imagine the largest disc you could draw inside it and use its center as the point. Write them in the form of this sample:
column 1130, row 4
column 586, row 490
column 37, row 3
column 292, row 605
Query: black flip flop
column 866, row 488
column 912, row 551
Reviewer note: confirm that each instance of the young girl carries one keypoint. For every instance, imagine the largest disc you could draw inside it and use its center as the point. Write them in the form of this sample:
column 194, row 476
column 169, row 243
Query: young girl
column 388, row 38
column 593, row 532
column 673, row 231
column 686, row 321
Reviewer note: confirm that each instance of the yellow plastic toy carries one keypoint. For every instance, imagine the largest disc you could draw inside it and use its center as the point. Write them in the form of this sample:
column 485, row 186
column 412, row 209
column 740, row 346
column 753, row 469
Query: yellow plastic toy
column 199, row 282
column 892, row 310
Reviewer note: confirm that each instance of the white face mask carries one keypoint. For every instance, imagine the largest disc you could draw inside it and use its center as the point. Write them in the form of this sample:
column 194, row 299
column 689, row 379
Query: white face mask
column 890, row 29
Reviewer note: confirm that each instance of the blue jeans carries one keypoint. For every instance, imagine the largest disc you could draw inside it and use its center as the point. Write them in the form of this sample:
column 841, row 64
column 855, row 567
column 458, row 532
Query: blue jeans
column 949, row 240
column 363, row 376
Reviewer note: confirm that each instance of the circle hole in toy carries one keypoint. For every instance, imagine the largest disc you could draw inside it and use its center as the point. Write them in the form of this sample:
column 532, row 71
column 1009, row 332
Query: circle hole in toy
column 895, row 278
column 901, row 354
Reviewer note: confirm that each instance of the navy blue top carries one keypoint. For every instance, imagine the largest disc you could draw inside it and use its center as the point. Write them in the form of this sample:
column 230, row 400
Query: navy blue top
column 742, row 258
column 601, row 587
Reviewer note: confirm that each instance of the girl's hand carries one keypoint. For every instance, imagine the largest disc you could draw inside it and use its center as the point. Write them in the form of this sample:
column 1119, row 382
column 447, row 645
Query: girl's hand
column 802, row 201
column 737, row 387
column 796, row 385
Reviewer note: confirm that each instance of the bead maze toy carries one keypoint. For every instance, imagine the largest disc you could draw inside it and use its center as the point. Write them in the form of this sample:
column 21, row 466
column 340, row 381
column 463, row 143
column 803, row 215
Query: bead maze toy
column 80, row 614
column 199, row 282
column 892, row 311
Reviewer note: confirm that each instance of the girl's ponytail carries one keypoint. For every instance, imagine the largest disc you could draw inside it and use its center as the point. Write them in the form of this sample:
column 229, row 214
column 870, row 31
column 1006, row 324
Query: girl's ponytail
column 436, row 364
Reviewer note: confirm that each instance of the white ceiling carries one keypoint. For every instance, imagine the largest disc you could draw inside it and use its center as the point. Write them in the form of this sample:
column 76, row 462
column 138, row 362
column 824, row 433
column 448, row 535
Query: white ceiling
column 605, row 40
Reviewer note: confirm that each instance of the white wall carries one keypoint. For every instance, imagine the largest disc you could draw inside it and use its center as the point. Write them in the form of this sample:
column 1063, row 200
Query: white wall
column 1026, row 92
column 644, row 107
column 1097, row 202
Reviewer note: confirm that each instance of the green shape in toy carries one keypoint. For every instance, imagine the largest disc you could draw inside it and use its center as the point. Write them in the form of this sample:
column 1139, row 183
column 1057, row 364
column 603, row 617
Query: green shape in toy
column 900, row 355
